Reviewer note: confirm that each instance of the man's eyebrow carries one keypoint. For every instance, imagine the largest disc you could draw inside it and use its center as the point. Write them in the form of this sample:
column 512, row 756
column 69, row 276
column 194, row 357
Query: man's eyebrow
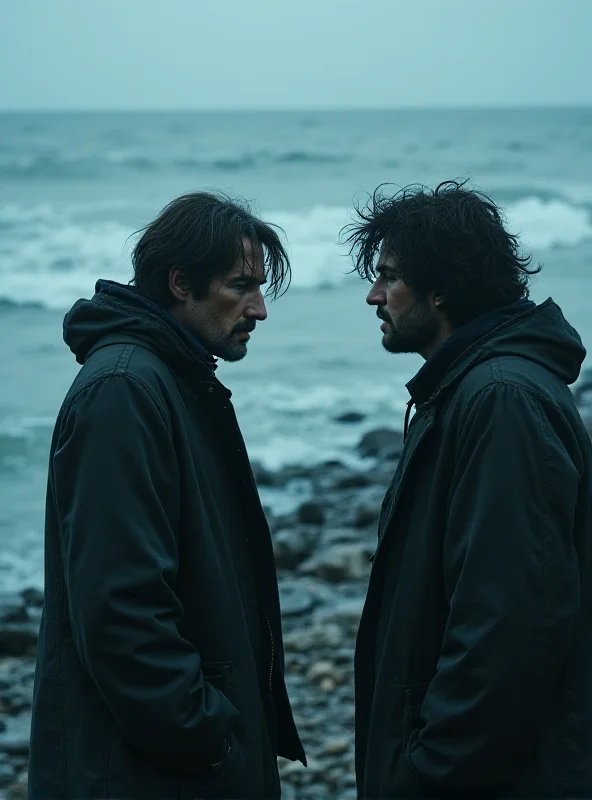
column 246, row 278
column 381, row 269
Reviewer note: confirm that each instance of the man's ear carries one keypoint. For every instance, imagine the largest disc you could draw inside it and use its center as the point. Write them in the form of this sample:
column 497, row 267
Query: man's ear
column 438, row 299
column 178, row 284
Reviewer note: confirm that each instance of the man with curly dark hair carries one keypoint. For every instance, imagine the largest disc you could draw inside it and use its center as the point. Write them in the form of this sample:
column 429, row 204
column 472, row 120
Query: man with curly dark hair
column 474, row 653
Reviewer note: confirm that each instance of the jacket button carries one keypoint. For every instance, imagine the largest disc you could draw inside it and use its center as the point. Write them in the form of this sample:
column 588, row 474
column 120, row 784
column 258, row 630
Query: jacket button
column 211, row 389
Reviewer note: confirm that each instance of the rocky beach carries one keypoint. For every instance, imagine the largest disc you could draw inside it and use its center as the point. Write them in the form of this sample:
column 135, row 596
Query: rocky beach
column 323, row 548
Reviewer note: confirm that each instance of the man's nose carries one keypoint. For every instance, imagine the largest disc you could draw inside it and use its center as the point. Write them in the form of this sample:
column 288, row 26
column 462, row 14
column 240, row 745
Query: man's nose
column 256, row 308
column 376, row 296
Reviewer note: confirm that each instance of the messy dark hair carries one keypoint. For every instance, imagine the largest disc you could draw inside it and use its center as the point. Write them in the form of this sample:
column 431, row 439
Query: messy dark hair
column 202, row 233
column 450, row 240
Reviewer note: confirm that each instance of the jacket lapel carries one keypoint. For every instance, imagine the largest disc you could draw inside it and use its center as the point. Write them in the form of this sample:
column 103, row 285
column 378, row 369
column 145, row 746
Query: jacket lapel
column 420, row 426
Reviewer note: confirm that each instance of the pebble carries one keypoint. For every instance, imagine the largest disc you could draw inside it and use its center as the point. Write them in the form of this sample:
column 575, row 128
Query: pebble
column 323, row 669
column 14, row 739
column 337, row 746
column 295, row 600
column 314, row 637
column 311, row 513
column 7, row 774
column 345, row 612
column 328, row 684
column 340, row 562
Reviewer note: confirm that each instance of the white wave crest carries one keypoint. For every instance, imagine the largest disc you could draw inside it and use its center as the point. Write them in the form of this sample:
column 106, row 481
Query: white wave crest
column 54, row 257
column 312, row 235
column 544, row 224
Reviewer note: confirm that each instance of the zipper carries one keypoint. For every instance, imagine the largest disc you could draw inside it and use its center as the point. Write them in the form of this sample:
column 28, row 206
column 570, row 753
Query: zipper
column 271, row 666
column 408, row 457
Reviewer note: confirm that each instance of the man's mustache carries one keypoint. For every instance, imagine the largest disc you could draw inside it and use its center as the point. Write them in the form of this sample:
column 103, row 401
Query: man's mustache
column 244, row 327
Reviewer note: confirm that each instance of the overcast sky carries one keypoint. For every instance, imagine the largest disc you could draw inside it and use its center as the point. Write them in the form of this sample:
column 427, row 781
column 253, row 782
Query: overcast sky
column 165, row 54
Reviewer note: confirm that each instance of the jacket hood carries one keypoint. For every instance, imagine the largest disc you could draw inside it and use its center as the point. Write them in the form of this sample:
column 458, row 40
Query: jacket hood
column 119, row 314
column 539, row 333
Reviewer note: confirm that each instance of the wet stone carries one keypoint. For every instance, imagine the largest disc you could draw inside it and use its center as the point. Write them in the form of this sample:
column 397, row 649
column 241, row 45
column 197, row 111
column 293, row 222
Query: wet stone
column 14, row 739
column 311, row 513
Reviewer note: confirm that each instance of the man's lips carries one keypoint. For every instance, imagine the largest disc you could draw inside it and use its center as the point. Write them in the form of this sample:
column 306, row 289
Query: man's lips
column 244, row 333
column 385, row 321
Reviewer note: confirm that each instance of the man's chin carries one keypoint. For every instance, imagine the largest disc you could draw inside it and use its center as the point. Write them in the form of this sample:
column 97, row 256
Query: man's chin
column 395, row 344
column 388, row 343
column 234, row 352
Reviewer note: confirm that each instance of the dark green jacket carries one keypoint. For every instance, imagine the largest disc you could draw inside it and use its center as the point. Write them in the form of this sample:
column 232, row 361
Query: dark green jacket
column 161, row 637
column 474, row 653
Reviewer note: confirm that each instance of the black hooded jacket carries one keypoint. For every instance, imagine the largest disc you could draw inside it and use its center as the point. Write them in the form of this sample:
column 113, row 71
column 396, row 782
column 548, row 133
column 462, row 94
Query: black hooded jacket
column 474, row 653
column 160, row 650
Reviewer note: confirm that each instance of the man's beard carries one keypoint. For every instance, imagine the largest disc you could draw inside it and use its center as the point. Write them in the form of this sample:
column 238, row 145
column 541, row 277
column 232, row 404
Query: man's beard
column 414, row 332
column 230, row 348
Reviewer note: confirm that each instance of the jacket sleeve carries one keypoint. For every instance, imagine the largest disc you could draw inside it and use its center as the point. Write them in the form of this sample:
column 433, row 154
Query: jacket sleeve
column 512, row 584
column 116, row 487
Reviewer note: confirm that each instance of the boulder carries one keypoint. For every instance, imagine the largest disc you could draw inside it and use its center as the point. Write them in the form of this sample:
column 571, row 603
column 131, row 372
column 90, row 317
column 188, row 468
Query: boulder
column 295, row 600
column 314, row 638
column 340, row 562
column 331, row 536
column 350, row 417
column 18, row 638
column 33, row 597
column 366, row 515
column 336, row 746
column 311, row 512
column 346, row 612
column 353, row 480
column 7, row 774
column 14, row 739
column 383, row 443
column 288, row 474
column 363, row 510
column 12, row 608
column 290, row 546
column 263, row 476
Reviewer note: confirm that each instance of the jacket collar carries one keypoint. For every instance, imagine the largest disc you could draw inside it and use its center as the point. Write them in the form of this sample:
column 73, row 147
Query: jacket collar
column 453, row 351
column 133, row 297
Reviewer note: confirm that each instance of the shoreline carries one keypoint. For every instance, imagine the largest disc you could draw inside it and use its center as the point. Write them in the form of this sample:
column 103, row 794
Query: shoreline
column 322, row 549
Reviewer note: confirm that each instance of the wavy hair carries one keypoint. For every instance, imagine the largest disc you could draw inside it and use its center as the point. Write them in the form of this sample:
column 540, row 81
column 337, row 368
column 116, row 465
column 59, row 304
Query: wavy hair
column 451, row 240
column 202, row 233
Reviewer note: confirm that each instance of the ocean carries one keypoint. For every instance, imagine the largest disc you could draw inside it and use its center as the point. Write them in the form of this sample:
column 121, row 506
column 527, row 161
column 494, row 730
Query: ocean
column 75, row 187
